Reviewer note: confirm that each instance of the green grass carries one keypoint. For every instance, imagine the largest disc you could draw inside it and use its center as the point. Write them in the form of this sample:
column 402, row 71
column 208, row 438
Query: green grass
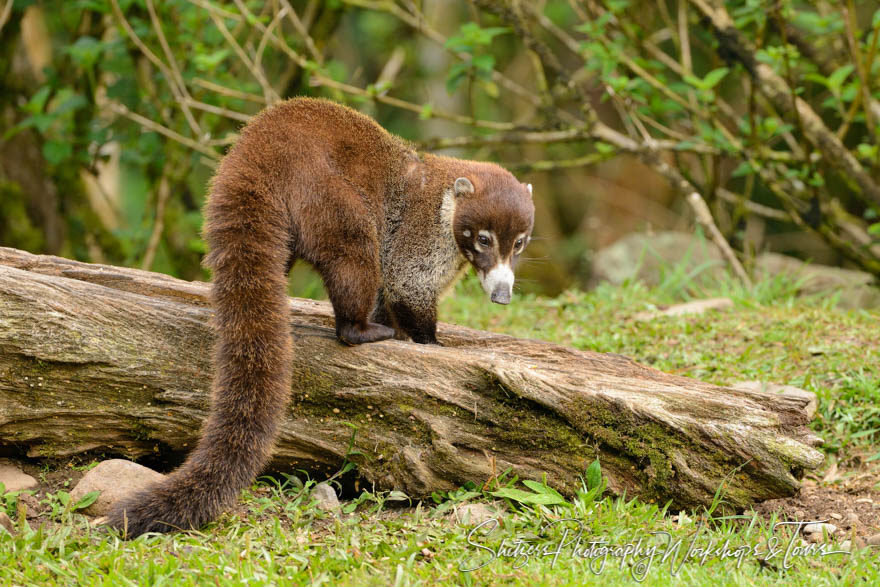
column 278, row 537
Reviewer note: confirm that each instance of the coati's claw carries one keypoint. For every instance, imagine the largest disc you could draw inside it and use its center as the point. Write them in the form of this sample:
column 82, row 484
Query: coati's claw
column 352, row 335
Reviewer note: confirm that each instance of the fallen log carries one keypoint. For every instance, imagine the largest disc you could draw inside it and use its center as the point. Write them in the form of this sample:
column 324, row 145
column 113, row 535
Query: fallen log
column 106, row 359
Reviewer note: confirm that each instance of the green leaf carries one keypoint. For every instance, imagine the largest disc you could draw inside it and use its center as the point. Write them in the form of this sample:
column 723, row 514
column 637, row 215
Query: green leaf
column 70, row 103
column 526, row 497
column 714, row 77
column 594, row 475
column 63, row 497
column 427, row 111
column 57, row 151
column 836, row 79
column 457, row 74
column 742, row 170
column 491, row 88
column 484, row 63
column 209, row 61
column 603, row 148
column 86, row 51
column 38, row 101
column 693, row 80
column 86, row 500
column 867, row 151
column 397, row 496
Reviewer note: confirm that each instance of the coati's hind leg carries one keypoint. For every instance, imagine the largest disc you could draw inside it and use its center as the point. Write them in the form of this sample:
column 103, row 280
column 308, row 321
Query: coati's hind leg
column 417, row 318
column 344, row 248
column 380, row 314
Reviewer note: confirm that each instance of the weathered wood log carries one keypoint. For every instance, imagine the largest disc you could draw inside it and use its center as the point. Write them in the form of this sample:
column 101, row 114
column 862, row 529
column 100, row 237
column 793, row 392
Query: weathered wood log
column 99, row 358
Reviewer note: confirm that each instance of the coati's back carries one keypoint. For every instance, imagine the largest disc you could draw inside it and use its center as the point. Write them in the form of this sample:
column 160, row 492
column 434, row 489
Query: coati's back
column 290, row 146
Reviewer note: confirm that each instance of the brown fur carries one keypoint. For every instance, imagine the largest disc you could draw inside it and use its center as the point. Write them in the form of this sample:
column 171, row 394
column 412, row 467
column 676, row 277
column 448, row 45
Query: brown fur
column 313, row 180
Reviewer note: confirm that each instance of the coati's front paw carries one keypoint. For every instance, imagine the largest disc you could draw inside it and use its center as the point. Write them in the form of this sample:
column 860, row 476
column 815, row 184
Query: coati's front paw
column 352, row 334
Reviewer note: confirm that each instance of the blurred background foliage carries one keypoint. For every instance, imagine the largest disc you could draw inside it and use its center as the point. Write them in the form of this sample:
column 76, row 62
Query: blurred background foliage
column 624, row 114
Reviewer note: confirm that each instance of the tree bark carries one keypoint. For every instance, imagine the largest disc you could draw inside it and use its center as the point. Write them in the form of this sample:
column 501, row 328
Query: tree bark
column 106, row 359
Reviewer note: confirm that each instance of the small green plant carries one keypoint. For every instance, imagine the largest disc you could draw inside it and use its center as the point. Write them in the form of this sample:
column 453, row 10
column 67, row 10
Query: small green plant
column 60, row 504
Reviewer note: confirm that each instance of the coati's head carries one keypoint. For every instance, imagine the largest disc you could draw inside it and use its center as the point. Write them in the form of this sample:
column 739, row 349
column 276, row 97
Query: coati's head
column 494, row 215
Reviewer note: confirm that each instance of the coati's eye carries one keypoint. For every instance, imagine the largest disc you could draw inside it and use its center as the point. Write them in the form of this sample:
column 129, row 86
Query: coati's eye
column 519, row 243
column 483, row 240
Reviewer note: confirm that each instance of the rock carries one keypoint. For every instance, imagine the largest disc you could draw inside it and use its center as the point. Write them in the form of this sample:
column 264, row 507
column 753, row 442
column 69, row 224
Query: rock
column 474, row 514
column 835, row 515
column 646, row 256
column 695, row 307
column 115, row 479
column 6, row 522
column 325, row 495
column 873, row 540
column 14, row 479
column 846, row 545
column 857, row 288
column 819, row 528
column 864, row 500
column 30, row 504
column 789, row 390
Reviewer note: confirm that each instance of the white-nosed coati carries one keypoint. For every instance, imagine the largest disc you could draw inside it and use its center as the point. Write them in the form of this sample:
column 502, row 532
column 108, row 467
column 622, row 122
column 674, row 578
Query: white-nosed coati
column 387, row 228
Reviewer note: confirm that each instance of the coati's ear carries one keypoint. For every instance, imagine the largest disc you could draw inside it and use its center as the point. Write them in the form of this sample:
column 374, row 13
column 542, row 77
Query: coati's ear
column 463, row 186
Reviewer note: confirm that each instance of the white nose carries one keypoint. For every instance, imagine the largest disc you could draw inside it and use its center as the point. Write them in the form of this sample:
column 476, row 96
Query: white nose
column 498, row 283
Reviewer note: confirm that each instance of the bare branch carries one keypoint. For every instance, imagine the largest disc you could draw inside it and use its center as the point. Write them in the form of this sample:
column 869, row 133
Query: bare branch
column 218, row 110
column 172, row 63
column 164, row 130
column 269, row 93
column 4, row 16
column 154, row 59
column 704, row 217
column 163, row 191
column 232, row 93
column 303, row 32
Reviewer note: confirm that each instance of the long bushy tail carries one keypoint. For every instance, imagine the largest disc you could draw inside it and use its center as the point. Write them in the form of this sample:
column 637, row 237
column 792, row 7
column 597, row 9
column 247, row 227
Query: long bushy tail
column 248, row 238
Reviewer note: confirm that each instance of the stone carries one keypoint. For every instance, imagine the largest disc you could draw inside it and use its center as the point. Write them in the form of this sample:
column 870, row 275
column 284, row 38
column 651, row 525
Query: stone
column 14, row 479
column 819, row 528
column 30, row 504
column 812, row 403
column 325, row 495
column 858, row 289
column 873, row 540
column 6, row 522
column 815, row 537
column 694, row 307
column 474, row 514
column 115, row 479
column 645, row 256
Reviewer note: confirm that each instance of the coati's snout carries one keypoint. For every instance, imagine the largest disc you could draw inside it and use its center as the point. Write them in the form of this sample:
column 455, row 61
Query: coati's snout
column 492, row 227
column 498, row 283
